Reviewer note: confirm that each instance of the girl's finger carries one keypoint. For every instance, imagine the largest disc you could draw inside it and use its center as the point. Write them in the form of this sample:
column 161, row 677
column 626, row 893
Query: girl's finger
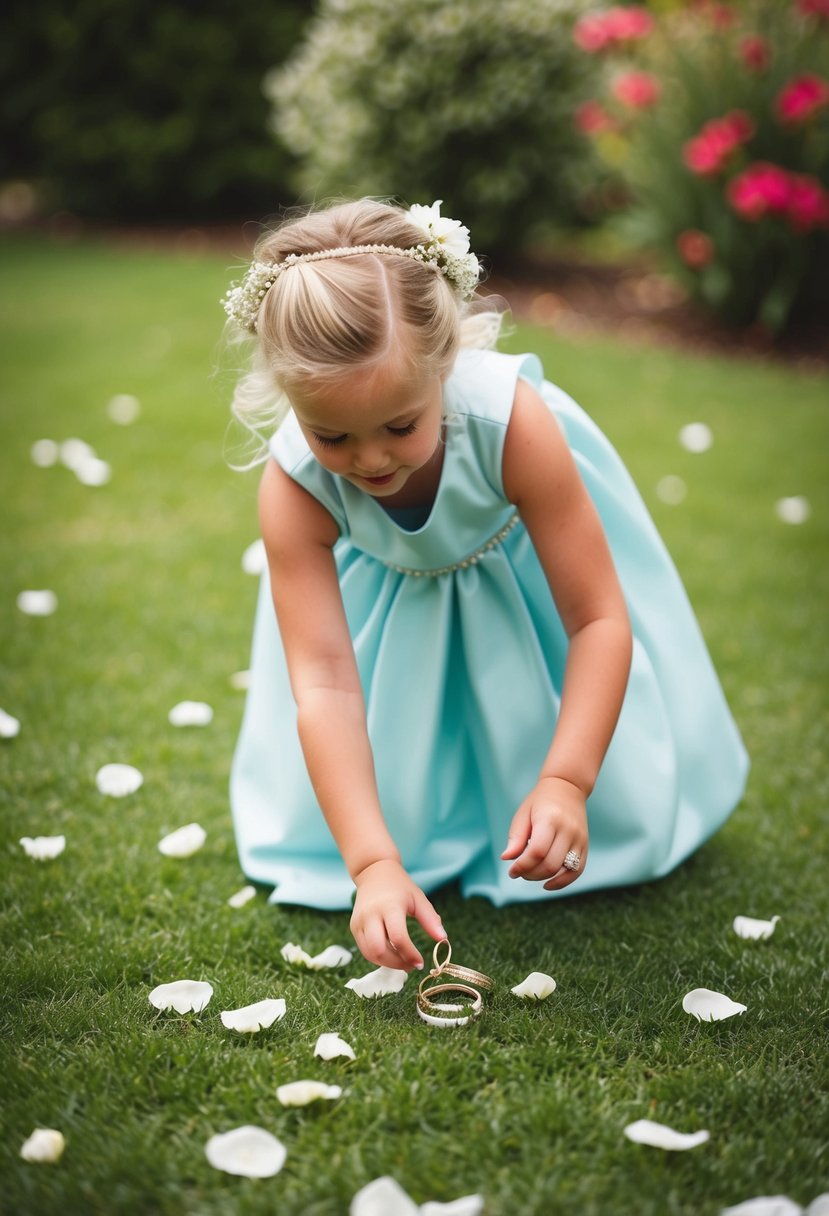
column 428, row 918
column 531, row 861
column 519, row 833
column 399, row 942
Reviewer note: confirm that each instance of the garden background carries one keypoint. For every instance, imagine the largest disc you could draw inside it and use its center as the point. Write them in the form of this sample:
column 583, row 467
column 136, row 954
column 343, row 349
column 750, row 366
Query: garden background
column 137, row 141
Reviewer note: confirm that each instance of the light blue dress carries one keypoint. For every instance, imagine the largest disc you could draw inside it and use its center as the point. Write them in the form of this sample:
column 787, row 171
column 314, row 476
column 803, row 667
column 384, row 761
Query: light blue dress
column 461, row 655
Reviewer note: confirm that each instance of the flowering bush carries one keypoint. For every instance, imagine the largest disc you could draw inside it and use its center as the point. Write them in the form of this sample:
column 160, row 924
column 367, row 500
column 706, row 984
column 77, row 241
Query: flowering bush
column 717, row 120
column 455, row 99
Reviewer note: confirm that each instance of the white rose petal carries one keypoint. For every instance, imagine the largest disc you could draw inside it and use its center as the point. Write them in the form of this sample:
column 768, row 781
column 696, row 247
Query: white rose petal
column 696, row 437
column 251, row 1018
column 330, row 1046
column 671, row 489
column 44, row 453
column 190, row 713
column 709, row 1006
column 382, row 982
column 123, row 408
column 73, row 452
column 254, row 559
column 537, row 985
column 469, row 1205
column 184, row 842
column 240, row 680
column 657, row 1135
column 332, row 956
column 37, row 603
column 300, row 1093
column 243, row 896
column 118, row 780
column 185, row 996
column 44, row 1146
column 765, row 1205
column 93, row 472
column 382, row 1197
column 794, row 510
column 43, row 848
column 247, row 1151
column 754, row 930
column 9, row 726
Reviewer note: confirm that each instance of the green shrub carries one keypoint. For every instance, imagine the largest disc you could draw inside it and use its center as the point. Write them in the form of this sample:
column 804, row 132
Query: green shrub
column 466, row 100
column 145, row 110
column 717, row 119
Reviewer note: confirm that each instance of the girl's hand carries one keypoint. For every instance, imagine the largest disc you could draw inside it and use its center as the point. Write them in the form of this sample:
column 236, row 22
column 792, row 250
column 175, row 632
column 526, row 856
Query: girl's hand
column 550, row 822
column 386, row 896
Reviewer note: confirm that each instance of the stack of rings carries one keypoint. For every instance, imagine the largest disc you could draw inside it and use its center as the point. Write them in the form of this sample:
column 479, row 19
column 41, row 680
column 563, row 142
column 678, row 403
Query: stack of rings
column 435, row 1012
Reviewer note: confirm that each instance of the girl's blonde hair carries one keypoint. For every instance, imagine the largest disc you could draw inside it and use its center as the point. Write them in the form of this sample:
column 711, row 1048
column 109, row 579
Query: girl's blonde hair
column 323, row 319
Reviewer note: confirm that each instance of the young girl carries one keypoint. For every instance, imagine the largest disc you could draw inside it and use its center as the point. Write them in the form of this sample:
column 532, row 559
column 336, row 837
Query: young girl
column 482, row 643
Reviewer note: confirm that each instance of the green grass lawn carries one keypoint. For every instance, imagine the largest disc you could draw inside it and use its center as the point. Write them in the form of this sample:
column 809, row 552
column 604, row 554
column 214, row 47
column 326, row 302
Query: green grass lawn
column 527, row 1106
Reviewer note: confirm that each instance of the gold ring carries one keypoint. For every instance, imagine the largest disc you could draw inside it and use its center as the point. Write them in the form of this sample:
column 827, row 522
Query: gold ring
column 435, row 1013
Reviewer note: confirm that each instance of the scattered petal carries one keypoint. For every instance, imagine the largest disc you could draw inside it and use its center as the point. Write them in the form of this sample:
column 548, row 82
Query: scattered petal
column 242, row 897
column 696, row 437
column 382, row 1197
column 332, row 956
column 657, row 1135
column 73, row 452
column 37, row 603
column 123, row 408
column 184, row 842
column 251, row 1018
column 819, row 1206
column 754, row 930
column 118, row 780
column 93, row 472
column 382, row 982
column 671, row 489
column 9, row 726
column 185, row 996
column 44, row 1146
column 240, row 680
column 765, row 1205
column 330, row 1046
column 44, row 453
column 43, row 848
column 254, row 559
column 794, row 510
column 536, row 985
column 300, row 1093
column 247, row 1151
column 191, row 713
column 709, row 1006
column 469, row 1205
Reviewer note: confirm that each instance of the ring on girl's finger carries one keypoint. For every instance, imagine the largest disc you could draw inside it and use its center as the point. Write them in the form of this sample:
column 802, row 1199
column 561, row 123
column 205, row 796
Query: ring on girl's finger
column 572, row 860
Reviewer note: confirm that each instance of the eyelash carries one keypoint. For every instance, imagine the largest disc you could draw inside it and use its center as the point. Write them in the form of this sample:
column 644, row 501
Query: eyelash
column 327, row 441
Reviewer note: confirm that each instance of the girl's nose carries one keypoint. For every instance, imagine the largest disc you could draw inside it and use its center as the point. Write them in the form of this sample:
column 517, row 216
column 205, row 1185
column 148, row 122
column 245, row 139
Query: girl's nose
column 371, row 459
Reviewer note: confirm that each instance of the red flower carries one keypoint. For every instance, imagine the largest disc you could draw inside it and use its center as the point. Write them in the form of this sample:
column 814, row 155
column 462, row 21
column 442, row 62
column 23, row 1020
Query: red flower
column 814, row 8
column 638, row 90
column 801, row 98
column 708, row 152
column 755, row 52
column 602, row 31
column 592, row 118
column 695, row 248
column 760, row 189
column 721, row 16
column 808, row 203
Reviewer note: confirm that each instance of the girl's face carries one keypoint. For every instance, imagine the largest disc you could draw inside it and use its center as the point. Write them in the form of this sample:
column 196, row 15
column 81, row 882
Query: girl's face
column 376, row 429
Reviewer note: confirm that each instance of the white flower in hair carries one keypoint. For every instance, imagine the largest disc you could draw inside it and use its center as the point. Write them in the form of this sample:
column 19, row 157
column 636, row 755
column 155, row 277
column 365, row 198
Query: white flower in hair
column 451, row 234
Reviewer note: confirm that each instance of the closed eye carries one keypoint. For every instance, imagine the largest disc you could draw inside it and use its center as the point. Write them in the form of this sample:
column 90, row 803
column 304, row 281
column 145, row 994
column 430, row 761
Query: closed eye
column 329, row 441
column 402, row 430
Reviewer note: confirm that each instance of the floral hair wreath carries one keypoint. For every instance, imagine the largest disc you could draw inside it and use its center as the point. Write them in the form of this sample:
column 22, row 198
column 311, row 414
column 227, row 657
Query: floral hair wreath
column 446, row 248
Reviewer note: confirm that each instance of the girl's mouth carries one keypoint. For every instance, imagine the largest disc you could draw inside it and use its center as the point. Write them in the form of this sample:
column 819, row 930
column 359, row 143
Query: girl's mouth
column 379, row 481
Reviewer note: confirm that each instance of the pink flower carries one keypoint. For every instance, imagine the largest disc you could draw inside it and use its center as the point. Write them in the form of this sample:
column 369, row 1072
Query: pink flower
column 808, row 203
column 814, row 8
column 695, row 248
column 801, row 98
column 592, row 118
column 638, row 90
column 708, row 152
column 755, row 52
column 721, row 16
column 760, row 189
column 602, row 31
